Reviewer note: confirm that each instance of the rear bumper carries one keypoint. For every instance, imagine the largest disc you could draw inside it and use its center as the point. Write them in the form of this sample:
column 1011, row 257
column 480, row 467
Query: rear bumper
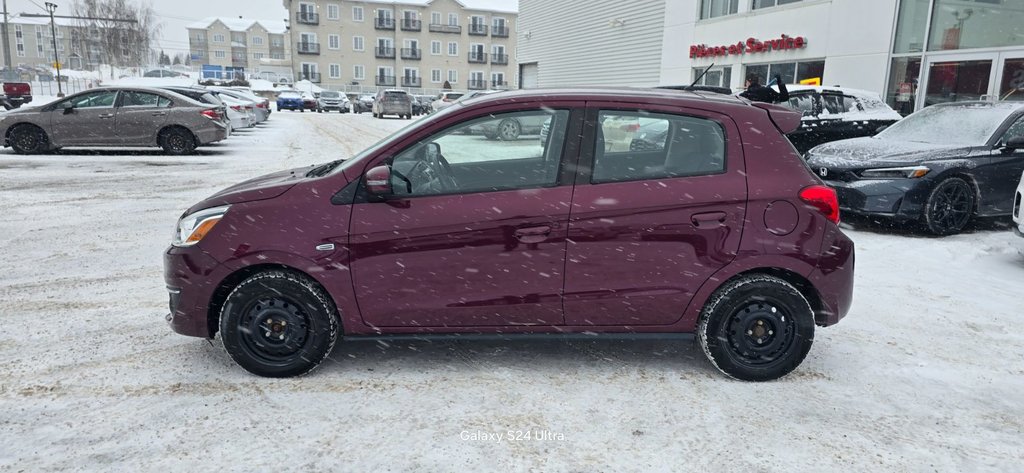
column 212, row 134
column 833, row 278
column 191, row 277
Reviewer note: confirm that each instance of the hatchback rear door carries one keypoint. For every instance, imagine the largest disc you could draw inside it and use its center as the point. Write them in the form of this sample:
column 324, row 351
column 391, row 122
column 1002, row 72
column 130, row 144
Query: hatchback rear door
column 654, row 214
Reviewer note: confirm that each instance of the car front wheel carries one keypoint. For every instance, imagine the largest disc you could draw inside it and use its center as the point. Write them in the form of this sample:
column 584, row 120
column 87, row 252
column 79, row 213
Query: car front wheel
column 950, row 207
column 28, row 139
column 278, row 324
column 756, row 328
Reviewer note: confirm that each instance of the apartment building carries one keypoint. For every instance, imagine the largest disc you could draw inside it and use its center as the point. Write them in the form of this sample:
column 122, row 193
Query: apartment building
column 413, row 44
column 79, row 47
column 229, row 47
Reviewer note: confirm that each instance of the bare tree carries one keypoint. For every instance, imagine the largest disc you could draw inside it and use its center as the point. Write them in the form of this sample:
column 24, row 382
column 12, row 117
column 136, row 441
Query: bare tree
column 102, row 40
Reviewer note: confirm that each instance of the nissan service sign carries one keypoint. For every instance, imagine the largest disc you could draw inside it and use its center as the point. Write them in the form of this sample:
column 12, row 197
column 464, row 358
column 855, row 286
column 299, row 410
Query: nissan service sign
column 752, row 45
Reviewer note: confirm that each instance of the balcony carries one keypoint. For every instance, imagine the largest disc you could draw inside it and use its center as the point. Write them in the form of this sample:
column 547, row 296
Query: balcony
column 499, row 59
column 499, row 84
column 307, row 48
column 313, row 77
column 409, row 24
column 307, row 18
column 384, row 53
column 499, row 31
column 385, row 81
column 476, row 84
column 408, row 81
column 384, row 23
column 477, row 57
column 439, row 28
column 412, row 53
column 477, row 30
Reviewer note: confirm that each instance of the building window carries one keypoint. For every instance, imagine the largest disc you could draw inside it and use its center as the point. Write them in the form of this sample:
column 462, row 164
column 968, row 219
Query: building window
column 358, row 44
column 435, row 76
column 716, row 8
column 257, row 56
column 791, row 72
column 717, row 77
column 333, row 12
column 910, row 26
column 771, row 3
column 257, row 41
column 334, row 71
column 435, row 18
column 955, row 25
column 903, row 84
column 218, row 38
column 333, row 41
column 435, row 48
column 453, row 76
column 219, row 54
column 453, row 19
column 357, row 13
column 453, row 49
column 277, row 42
column 358, row 72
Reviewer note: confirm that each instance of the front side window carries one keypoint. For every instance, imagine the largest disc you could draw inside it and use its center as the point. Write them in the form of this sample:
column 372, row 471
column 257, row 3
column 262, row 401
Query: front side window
column 632, row 146
column 1015, row 131
column 103, row 99
column 483, row 155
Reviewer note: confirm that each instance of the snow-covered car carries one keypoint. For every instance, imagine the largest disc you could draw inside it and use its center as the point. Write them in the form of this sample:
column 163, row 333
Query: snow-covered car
column 445, row 100
column 1018, row 214
column 261, row 105
column 836, row 113
column 240, row 116
column 330, row 100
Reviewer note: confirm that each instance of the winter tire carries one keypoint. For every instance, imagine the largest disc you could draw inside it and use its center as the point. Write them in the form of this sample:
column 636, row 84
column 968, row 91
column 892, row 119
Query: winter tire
column 509, row 130
column 278, row 324
column 950, row 207
column 177, row 141
column 756, row 328
column 28, row 139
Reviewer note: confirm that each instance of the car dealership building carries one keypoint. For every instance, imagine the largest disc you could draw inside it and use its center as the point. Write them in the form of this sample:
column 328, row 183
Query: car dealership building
column 913, row 52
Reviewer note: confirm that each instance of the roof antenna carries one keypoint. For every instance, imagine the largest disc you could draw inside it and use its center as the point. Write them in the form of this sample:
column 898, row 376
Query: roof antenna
column 701, row 76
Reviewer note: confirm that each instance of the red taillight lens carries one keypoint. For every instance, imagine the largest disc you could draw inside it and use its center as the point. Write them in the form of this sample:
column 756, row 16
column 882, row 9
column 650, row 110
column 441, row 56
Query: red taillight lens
column 824, row 199
column 237, row 108
column 211, row 114
column 261, row 105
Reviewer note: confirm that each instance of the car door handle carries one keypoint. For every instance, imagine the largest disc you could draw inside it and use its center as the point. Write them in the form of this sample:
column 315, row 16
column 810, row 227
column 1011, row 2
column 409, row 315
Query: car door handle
column 533, row 234
column 159, row 114
column 707, row 218
column 107, row 115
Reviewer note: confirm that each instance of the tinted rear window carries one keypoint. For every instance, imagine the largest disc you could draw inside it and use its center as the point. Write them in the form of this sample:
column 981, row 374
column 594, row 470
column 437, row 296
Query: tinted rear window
column 400, row 95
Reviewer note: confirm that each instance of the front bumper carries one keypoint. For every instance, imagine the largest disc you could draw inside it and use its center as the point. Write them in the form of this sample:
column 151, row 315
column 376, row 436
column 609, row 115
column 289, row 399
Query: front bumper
column 902, row 199
column 191, row 277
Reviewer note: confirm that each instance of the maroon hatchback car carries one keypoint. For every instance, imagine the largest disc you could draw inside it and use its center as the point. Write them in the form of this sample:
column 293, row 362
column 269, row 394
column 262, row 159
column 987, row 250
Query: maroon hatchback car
column 641, row 212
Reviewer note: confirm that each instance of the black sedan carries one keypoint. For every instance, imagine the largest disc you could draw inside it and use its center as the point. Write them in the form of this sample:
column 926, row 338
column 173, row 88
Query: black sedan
column 941, row 166
column 834, row 113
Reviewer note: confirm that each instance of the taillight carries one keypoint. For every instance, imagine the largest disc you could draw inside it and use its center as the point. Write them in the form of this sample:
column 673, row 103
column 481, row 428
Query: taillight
column 824, row 199
column 237, row 108
column 211, row 114
column 261, row 105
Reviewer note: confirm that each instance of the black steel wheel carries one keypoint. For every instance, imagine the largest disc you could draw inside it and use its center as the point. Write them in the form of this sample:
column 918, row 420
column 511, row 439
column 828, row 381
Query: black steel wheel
column 509, row 130
column 28, row 139
column 756, row 328
column 278, row 324
column 950, row 207
column 177, row 141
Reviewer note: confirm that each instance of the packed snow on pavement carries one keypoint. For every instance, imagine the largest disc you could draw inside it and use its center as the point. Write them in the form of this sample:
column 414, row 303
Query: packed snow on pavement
column 926, row 373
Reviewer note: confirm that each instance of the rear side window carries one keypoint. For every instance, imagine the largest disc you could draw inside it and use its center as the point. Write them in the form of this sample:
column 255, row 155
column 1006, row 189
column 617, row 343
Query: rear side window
column 140, row 99
column 632, row 146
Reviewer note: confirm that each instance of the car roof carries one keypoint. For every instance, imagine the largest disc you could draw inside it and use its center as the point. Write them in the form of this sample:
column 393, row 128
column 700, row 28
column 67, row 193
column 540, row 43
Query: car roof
column 608, row 94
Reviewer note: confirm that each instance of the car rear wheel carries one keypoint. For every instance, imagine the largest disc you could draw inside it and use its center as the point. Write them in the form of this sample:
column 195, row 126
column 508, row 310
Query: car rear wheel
column 509, row 130
column 28, row 139
column 278, row 324
column 950, row 207
column 756, row 328
column 177, row 141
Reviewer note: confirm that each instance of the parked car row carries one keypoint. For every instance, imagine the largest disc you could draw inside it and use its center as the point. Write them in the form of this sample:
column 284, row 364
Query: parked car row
column 176, row 118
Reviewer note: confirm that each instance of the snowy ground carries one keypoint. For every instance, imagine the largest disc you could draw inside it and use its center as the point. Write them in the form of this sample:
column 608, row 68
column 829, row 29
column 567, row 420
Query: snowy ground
column 925, row 374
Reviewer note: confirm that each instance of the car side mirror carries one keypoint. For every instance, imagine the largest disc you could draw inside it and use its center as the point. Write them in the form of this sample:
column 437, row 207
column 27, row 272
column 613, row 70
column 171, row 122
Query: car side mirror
column 1014, row 144
column 68, row 108
column 378, row 181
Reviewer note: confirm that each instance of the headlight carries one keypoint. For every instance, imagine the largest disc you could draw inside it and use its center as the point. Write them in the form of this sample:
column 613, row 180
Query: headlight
column 913, row 172
column 192, row 228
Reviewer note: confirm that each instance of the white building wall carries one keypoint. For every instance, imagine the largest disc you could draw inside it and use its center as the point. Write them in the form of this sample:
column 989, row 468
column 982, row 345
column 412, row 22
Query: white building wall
column 590, row 43
column 854, row 38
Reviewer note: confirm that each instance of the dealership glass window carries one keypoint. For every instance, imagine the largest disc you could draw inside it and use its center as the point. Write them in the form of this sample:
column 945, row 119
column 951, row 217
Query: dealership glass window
column 981, row 24
column 903, row 84
column 957, row 81
column 1013, row 80
column 911, row 25
column 715, row 8
column 791, row 72
column 771, row 3
column 718, row 77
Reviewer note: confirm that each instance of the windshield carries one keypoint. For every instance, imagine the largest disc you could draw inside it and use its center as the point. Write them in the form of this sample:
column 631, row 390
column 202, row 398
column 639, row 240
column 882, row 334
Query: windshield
column 329, row 95
column 967, row 125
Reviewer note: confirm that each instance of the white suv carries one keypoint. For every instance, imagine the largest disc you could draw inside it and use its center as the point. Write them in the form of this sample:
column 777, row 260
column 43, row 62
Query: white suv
column 1018, row 212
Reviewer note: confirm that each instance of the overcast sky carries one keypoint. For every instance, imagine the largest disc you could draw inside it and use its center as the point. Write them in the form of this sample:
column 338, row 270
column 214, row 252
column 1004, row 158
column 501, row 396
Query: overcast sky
column 175, row 14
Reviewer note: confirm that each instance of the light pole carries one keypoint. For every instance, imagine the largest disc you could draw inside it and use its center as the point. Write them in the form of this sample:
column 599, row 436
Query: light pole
column 50, row 8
